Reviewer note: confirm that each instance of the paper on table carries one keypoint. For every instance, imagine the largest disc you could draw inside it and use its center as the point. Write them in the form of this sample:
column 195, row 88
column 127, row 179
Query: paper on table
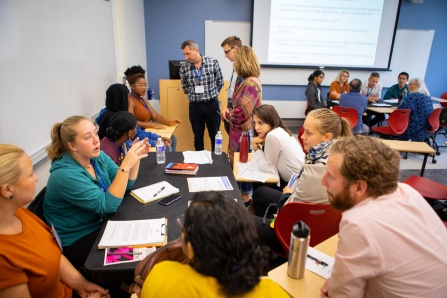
column 209, row 184
column 251, row 171
column 199, row 157
column 315, row 267
column 144, row 232
column 154, row 192
column 126, row 254
column 381, row 105
column 392, row 100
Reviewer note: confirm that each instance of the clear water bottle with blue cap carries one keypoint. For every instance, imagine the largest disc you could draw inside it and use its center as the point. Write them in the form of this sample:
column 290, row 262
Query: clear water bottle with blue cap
column 161, row 157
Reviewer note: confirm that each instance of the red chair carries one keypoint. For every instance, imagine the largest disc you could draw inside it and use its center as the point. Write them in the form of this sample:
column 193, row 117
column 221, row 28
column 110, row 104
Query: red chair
column 444, row 95
column 433, row 119
column 430, row 190
column 397, row 124
column 349, row 113
column 300, row 133
column 321, row 218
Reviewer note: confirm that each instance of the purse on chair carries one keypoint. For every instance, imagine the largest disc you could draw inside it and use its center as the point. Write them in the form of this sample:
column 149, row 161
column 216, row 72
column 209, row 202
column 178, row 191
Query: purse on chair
column 172, row 251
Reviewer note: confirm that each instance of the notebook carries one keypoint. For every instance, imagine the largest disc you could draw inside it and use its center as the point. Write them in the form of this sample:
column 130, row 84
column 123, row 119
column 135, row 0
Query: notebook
column 154, row 192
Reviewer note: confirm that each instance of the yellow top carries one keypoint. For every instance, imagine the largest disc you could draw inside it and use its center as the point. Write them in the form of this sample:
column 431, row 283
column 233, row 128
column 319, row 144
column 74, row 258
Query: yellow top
column 172, row 279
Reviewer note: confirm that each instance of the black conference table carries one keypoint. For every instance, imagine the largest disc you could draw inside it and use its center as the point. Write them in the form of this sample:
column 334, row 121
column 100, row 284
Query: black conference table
column 131, row 209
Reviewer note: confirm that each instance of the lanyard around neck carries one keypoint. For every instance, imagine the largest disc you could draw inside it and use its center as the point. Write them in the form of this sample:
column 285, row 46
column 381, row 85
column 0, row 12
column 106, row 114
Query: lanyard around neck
column 101, row 181
column 198, row 75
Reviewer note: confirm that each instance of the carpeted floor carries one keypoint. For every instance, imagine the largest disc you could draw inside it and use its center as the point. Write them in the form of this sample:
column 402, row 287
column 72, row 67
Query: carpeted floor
column 439, row 176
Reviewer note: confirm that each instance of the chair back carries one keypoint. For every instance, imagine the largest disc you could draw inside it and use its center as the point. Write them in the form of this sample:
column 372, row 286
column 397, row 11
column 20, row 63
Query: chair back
column 434, row 120
column 427, row 188
column 36, row 206
column 321, row 218
column 398, row 120
column 349, row 113
column 444, row 95
column 300, row 133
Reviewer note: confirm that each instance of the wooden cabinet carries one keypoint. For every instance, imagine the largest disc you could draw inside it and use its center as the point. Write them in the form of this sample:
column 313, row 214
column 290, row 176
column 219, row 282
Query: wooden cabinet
column 174, row 104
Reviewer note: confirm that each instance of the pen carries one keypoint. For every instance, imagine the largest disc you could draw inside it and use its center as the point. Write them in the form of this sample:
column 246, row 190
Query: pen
column 158, row 192
column 318, row 261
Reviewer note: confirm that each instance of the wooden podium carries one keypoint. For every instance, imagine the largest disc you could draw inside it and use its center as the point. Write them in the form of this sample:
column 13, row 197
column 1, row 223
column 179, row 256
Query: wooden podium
column 174, row 104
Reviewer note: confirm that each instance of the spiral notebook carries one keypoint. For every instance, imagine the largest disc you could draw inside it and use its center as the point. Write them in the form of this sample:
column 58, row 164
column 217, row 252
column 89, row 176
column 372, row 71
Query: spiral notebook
column 154, row 192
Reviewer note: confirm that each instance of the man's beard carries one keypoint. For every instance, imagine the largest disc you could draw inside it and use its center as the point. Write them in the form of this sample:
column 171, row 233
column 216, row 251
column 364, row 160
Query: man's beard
column 341, row 201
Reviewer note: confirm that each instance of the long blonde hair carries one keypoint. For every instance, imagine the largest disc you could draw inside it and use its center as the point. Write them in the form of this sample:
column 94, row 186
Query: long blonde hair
column 10, row 170
column 331, row 122
column 62, row 134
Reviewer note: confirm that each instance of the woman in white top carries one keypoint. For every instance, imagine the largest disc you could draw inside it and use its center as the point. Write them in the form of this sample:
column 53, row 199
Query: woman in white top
column 280, row 152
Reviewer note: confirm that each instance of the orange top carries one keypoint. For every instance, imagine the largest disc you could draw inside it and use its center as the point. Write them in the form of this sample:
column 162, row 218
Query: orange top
column 33, row 257
column 140, row 111
column 335, row 86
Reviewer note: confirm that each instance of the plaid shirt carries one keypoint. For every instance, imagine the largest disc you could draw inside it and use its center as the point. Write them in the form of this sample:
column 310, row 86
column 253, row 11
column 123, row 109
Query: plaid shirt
column 212, row 80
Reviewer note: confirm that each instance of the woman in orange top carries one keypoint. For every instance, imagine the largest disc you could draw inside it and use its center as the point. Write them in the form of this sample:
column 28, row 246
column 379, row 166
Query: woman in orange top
column 340, row 85
column 31, row 261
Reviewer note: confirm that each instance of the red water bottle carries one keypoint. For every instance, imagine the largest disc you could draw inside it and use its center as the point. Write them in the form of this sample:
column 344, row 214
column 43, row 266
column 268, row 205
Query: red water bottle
column 243, row 148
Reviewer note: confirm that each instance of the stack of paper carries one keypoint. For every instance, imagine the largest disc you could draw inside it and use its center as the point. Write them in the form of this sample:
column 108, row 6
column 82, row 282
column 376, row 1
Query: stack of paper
column 146, row 232
column 199, row 157
column 126, row 254
column 154, row 192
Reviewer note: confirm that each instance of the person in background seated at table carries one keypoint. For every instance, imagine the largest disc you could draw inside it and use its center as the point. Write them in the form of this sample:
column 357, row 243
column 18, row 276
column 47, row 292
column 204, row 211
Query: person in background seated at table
column 123, row 127
column 401, row 86
column 117, row 99
column 85, row 184
column 391, row 242
column 313, row 92
column 142, row 109
column 355, row 100
column 421, row 105
column 31, row 262
column 321, row 128
column 276, row 150
column 219, row 238
column 372, row 89
column 340, row 85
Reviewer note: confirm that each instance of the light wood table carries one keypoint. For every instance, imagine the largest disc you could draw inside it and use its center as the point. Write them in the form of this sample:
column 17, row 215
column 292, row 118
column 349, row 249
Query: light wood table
column 438, row 99
column 309, row 286
column 382, row 110
column 236, row 171
column 165, row 132
column 413, row 147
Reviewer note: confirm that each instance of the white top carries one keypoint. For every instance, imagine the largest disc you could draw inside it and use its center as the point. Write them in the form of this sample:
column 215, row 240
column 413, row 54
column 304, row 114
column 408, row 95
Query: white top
column 375, row 91
column 282, row 154
column 391, row 246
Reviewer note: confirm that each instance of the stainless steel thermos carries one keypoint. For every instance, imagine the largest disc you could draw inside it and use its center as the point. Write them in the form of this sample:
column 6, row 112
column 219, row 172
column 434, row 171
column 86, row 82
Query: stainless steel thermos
column 299, row 242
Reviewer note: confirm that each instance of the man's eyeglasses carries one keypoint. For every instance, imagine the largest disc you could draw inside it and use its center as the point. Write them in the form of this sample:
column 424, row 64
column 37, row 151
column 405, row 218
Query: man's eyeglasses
column 226, row 52
column 141, row 85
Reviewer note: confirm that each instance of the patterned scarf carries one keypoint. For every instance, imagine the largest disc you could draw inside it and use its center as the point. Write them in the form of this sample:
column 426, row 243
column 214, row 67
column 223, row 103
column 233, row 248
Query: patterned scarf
column 317, row 154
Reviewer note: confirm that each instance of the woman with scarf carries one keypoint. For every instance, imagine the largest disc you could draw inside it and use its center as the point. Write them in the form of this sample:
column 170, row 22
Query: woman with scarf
column 247, row 96
column 321, row 128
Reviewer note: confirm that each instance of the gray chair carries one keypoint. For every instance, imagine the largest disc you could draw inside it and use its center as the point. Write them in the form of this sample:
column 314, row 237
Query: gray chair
column 36, row 206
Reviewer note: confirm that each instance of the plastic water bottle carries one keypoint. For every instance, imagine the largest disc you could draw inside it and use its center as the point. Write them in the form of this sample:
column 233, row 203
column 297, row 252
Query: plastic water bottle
column 161, row 157
column 218, row 144
column 299, row 242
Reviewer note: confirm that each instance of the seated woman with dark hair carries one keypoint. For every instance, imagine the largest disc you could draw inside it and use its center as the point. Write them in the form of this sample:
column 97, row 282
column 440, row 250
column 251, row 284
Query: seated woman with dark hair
column 419, row 101
column 219, row 237
column 123, row 127
column 146, row 115
column 117, row 99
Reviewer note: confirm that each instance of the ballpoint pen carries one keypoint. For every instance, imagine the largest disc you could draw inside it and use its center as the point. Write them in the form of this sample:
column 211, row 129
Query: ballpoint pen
column 317, row 260
column 158, row 192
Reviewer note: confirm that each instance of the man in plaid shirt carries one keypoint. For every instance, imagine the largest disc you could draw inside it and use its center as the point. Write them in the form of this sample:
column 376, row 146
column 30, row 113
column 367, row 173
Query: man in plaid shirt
column 202, row 81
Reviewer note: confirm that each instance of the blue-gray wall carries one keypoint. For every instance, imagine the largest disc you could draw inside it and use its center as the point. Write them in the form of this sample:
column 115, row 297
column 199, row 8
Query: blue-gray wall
column 170, row 22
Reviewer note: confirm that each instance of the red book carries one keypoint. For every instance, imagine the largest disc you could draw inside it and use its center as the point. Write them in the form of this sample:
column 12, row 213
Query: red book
column 182, row 168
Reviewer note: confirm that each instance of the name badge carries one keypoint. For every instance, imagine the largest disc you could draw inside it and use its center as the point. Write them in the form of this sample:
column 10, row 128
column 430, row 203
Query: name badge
column 200, row 89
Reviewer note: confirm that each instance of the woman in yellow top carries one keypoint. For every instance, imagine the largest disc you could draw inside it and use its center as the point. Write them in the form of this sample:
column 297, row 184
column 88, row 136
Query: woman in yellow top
column 220, row 239
column 340, row 85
